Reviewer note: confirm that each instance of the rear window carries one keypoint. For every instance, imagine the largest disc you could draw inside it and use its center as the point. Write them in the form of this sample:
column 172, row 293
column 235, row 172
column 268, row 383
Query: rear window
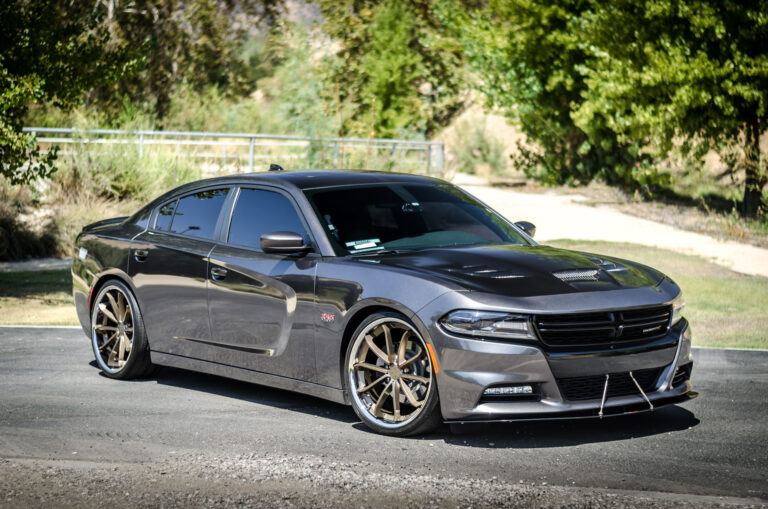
column 195, row 215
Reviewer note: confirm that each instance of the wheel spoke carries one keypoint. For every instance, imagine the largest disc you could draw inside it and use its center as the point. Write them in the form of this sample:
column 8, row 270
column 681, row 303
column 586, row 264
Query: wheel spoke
column 396, row 400
column 121, row 355
column 108, row 341
column 402, row 346
column 106, row 312
column 388, row 342
column 104, row 328
column 372, row 384
column 415, row 378
column 413, row 359
column 381, row 355
column 371, row 367
column 376, row 410
column 409, row 395
column 121, row 307
column 113, row 305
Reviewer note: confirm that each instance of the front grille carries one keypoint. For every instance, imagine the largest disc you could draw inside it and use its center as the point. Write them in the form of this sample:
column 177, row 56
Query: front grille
column 605, row 328
column 619, row 384
column 682, row 374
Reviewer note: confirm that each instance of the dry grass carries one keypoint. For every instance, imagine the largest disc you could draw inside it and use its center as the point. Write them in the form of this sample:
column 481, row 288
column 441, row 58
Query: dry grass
column 37, row 298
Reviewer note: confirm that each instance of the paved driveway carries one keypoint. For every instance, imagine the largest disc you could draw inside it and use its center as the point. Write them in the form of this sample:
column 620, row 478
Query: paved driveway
column 62, row 424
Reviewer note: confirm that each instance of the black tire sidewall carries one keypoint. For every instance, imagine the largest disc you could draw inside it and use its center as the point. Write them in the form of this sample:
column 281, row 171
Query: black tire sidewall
column 427, row 419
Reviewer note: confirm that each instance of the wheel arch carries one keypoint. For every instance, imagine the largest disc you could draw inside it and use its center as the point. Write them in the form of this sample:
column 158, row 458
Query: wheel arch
column 103, row 279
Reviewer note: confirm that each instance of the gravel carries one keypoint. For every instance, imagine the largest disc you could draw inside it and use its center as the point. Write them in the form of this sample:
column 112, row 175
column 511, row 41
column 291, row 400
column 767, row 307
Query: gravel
column 271, row 480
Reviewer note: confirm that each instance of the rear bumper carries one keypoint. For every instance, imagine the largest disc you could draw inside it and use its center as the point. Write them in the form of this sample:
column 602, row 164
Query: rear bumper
column 469, row 366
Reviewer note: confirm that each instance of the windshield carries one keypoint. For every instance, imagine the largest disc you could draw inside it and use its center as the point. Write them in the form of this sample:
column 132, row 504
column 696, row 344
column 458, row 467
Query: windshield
column 381, row 217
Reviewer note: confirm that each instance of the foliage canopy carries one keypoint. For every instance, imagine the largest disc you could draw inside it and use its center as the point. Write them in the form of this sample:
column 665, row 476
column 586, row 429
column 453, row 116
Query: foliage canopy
column 693, row 71
column 394, row 68
column 50, row 50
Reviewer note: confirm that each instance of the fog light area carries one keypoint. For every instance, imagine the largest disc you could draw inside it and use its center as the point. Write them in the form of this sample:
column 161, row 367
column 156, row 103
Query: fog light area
column 509, row 390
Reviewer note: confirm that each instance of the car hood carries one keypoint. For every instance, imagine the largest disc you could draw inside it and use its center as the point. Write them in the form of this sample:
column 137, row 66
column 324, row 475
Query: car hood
column 522, row 271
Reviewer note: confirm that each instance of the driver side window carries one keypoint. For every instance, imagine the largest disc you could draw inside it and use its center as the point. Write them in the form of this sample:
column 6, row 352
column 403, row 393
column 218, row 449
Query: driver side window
column 258, row 212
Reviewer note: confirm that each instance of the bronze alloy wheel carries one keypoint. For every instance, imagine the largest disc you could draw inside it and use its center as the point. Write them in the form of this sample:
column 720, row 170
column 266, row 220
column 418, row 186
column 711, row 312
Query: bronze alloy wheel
column 117, row 333
column 391, row 378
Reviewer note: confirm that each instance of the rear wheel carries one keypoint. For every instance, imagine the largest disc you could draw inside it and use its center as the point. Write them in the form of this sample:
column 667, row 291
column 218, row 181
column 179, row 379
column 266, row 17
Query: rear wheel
column 117, row 331
column 390, row 377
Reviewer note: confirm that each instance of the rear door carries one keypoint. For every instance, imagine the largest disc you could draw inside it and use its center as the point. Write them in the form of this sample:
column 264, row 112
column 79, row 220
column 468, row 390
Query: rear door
column 169, row 265
column 262, row 305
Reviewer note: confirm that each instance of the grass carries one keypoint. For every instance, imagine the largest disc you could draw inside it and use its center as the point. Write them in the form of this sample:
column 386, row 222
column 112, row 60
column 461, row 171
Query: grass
column 725, row 308
column 37, row 298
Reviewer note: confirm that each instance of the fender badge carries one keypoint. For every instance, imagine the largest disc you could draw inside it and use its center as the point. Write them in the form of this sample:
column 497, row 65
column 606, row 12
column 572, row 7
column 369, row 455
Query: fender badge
column 327, row 317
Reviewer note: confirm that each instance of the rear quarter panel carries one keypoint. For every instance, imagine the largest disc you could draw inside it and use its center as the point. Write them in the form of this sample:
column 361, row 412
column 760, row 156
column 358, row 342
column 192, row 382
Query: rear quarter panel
column 100, row 253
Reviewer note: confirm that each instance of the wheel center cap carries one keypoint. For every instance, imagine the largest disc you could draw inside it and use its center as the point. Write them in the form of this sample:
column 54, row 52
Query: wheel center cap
column 394, row 372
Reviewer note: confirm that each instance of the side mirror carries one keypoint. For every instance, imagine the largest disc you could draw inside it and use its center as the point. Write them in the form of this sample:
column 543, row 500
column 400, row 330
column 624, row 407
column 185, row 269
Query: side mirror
column 528, row 228
column 283, row 242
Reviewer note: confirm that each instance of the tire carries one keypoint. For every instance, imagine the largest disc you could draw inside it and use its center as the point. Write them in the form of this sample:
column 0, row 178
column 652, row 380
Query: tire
column 118, row 336
column 392, row 387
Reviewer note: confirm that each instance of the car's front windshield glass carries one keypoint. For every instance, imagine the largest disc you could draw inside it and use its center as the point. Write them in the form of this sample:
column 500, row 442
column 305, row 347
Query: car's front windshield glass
column 382, row 217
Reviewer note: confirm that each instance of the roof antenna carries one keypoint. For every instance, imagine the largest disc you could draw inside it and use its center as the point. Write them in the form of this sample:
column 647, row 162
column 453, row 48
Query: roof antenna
column 275, row 167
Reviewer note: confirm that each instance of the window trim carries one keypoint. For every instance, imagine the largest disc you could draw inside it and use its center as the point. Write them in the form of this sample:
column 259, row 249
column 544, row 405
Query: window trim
column 227, row 221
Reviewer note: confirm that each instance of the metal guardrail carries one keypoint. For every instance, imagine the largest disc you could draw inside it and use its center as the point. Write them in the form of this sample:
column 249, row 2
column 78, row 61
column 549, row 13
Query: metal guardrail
column 311, row 152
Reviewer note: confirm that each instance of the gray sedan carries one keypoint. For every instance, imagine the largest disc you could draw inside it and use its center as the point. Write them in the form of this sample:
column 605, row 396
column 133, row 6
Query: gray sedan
column 400, row 295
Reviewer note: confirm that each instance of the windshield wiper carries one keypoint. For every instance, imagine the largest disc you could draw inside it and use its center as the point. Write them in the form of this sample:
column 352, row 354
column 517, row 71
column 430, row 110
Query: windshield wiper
column 380, row 252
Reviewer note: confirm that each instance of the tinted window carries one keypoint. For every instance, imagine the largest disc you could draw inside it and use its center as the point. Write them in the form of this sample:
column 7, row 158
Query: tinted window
column 164, row 216
column 196, row 215
column 258, row 212
column 141, row 218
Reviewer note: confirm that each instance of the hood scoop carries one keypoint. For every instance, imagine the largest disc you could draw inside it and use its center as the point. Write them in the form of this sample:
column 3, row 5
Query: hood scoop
column 567, row 276
column 485, row 272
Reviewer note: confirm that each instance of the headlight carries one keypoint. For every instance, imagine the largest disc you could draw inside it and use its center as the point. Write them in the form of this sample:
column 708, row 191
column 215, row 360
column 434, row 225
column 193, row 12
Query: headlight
column 488, row 324
column 677, row 309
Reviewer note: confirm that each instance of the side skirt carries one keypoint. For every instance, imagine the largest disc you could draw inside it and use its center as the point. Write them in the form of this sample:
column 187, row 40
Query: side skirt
column 247, row 375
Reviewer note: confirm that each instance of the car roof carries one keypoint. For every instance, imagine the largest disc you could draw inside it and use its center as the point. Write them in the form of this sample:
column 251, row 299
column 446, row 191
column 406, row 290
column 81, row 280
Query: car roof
column 297, row 179
column 312, row 179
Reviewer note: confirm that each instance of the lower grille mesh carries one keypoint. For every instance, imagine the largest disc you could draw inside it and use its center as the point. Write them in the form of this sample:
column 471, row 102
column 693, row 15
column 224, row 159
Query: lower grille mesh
column 619, row 384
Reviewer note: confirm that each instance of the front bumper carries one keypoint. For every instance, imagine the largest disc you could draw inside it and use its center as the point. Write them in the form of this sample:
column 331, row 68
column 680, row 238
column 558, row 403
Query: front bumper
column 468, row 366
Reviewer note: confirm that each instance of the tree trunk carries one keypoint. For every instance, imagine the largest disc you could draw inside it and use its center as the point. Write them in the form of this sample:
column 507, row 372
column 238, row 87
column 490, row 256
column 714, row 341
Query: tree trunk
column 753, row 188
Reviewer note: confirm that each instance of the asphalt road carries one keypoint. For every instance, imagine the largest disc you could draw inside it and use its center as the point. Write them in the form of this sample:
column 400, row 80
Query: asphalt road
column 62, row 423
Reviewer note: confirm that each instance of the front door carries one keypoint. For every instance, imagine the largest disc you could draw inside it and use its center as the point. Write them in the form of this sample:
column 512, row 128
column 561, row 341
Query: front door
column 261, row 305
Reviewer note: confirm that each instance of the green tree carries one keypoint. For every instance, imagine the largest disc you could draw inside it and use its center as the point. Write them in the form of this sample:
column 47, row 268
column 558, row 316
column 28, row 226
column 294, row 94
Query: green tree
column 198, row 42
column 529, row 56
column 50, row 50
column 394, row 69
column 681, row 70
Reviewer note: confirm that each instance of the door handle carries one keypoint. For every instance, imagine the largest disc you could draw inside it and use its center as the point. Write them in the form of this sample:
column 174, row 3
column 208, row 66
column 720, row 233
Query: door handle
column 218, row 273
column 141, row 254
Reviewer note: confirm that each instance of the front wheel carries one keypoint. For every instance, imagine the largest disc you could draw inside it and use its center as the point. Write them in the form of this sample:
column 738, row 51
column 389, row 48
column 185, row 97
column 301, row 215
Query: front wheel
column 117, row 333
column 390, row 377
